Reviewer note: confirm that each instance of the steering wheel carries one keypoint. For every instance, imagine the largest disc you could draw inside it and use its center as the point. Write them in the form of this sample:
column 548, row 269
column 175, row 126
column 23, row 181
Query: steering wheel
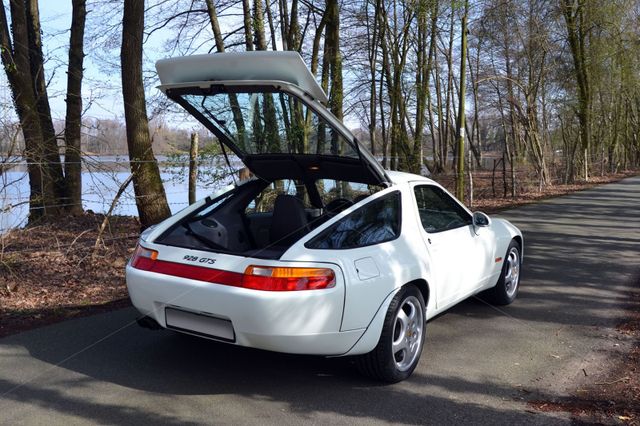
column 453, row 223
column 337, row 205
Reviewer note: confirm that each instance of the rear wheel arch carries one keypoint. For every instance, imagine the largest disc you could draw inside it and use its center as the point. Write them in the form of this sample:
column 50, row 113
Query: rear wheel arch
column 518, row 239
column 423, row 286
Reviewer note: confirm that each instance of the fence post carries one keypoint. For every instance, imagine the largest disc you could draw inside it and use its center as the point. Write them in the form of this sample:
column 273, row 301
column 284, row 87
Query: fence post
column 470, row 182
column 193, row 167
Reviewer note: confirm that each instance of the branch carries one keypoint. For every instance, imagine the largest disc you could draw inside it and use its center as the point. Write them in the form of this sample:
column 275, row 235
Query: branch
column 105, row 222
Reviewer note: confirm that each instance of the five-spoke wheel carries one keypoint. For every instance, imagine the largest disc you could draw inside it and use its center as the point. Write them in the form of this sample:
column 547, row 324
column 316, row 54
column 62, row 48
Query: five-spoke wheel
column 400, row 345
column 407, row 333
column 506, row 289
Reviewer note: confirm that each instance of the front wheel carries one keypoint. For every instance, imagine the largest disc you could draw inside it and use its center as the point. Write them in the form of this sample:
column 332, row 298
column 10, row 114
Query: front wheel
column 506, row 289
column 398, row 351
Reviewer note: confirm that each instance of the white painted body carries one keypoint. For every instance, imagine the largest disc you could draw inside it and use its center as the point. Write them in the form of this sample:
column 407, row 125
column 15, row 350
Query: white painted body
column 346, row 319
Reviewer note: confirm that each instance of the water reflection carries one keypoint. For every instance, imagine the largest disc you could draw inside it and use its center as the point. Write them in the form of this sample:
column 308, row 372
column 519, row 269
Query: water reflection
column 98, row 191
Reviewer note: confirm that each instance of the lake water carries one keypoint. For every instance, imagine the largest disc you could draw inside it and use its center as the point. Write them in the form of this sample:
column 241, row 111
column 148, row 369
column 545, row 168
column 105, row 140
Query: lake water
column 99, row 188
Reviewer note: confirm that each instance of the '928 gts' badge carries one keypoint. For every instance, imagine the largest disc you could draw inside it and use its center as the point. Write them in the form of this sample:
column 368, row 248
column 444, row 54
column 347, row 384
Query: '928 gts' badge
column 204, row 260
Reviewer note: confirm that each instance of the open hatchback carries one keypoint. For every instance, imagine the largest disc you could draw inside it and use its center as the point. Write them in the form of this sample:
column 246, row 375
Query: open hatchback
column 266, row 109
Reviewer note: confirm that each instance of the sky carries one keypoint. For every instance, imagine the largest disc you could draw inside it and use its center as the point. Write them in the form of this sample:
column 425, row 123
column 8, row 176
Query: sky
column 101, row 88
column 55, row 17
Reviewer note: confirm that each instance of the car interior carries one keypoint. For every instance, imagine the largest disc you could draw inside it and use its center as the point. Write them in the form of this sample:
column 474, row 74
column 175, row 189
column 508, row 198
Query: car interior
column 264, row 218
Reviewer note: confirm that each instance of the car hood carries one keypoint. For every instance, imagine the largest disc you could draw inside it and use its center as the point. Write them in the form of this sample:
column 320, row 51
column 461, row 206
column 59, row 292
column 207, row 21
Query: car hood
column 268, row 109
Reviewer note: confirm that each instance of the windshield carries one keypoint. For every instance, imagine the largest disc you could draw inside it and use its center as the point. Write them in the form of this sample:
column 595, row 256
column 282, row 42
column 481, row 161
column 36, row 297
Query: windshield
column 264, row 121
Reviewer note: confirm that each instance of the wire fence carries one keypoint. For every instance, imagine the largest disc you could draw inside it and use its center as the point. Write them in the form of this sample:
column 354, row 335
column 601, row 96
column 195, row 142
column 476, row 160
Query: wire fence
column 104, row 175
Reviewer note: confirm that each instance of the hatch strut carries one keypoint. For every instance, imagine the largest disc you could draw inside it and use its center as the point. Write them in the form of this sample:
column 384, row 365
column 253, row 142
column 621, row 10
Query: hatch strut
column 221, row 124
column 226, row 157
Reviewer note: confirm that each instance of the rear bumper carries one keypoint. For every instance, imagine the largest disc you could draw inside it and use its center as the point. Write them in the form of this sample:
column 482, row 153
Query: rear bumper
column 300, row 322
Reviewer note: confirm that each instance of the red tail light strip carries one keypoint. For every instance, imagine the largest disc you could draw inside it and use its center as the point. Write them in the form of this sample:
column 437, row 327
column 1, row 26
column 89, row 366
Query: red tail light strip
column 235, row 279
column 191, row 272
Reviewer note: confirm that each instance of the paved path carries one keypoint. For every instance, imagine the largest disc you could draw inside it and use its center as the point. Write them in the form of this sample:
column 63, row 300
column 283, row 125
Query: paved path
column 480, row 364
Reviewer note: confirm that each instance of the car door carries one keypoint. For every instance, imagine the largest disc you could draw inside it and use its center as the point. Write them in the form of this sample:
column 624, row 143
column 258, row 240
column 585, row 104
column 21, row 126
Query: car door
column 456, row 253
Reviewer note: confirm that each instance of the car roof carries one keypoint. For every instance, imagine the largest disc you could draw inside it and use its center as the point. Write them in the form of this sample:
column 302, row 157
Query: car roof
column 285, row 66
column 403, row 177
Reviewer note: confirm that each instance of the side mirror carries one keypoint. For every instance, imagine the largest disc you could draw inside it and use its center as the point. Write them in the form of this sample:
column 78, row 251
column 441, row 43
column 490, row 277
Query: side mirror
column 480, row 220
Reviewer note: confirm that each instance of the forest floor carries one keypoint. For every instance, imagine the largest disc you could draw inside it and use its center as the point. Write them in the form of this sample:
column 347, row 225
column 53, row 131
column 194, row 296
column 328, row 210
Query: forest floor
column 51, row 272
column 55, row 271
column 613, row 395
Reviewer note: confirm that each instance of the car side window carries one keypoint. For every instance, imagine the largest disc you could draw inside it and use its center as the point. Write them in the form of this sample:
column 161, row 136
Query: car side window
column 438, row 211
column 376, row 222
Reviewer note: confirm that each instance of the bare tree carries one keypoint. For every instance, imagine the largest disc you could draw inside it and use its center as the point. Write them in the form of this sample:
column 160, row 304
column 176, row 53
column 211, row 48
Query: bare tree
column 22, row 58
column 460, row 125
column 147, row 183
column 574, row 12
column 73, row 119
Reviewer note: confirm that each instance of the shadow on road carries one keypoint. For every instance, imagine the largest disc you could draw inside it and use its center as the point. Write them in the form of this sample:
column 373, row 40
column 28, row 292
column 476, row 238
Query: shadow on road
column 172, row 364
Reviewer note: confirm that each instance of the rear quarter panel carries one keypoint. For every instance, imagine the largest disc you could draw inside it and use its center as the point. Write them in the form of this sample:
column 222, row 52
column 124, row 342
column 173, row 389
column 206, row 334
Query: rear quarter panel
column 389, row 266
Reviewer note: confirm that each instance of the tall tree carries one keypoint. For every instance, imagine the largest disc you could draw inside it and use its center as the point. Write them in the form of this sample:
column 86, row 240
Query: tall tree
column 460, row 130
column 147, row 183
column 575, row 16
column 73, row 118
column 23, row 63
column 246, row 14
column 333, row 63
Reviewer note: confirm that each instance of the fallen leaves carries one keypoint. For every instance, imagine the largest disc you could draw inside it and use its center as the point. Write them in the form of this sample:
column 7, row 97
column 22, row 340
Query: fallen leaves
column 51, row 271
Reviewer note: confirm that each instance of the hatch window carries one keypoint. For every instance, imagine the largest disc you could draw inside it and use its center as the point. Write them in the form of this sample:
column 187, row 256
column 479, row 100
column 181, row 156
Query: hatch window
column 265, row 121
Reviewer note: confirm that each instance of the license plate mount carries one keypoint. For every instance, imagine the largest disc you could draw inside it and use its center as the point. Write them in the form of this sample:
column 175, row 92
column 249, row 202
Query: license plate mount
column 199, row 324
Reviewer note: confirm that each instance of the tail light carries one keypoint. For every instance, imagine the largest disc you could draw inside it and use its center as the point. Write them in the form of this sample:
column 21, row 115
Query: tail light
column 266, row 278
column 143, row 258
column 288, row 279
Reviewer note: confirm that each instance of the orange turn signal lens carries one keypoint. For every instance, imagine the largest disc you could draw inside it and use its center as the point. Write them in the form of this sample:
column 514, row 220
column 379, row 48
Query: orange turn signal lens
column 142, row 257
column 287, row 278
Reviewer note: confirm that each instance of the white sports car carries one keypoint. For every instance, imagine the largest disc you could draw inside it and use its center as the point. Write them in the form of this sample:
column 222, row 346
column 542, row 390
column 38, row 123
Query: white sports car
column 321, row 251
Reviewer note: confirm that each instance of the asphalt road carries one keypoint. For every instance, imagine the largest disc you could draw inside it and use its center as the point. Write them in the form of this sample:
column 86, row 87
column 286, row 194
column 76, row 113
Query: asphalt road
column 480, row 364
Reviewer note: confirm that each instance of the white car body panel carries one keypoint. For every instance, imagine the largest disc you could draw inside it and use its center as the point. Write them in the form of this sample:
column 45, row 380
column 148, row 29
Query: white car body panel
column 259, row 65
column 293, row 322
column 344, row 320
column 364, row 297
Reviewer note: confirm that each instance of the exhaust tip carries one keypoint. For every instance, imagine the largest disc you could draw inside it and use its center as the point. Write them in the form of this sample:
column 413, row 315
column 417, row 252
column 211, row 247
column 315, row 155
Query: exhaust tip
column 149, row 323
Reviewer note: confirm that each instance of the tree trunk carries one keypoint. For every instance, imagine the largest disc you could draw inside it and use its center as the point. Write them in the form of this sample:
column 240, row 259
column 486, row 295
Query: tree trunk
column 449, row 92
column 422, row 88
column 258, row 26
column 246, row 14
column 219, row 40
column 461, row 105
column 334, row 61
column 53, row 167
column 147, row 183
column 73, row 117
column 43, row 197
column 215, row 25
column 577, row 36
column 373, row 35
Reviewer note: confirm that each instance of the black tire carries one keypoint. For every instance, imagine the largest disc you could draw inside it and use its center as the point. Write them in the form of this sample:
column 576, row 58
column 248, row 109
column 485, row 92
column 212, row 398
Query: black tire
column 506, row 289
column 383, row 362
